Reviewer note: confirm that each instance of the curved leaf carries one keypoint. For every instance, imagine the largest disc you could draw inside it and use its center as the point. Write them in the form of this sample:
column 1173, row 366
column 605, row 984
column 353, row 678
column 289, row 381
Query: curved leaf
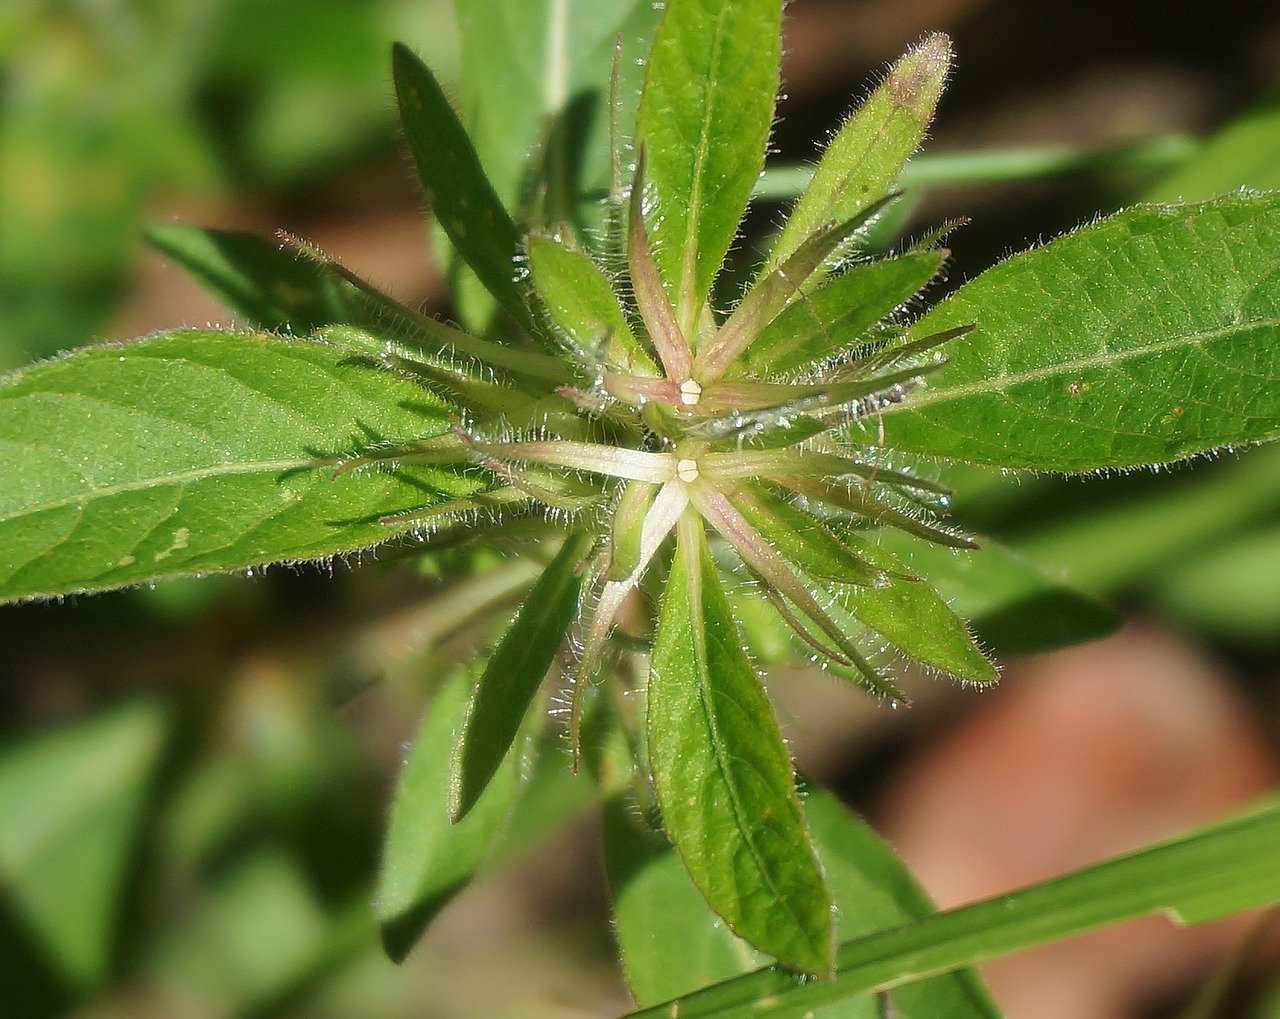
column 516, row 669
column 1144, row 338
column 194, row 451
column 723, row 776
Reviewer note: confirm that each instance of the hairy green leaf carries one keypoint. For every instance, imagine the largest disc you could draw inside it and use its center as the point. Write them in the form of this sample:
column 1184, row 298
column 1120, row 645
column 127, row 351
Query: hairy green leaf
column 195, row 451
column 1145, row 338
column 462, row 198
column 840, row 314
column 704, row 119
column 516, row 669
column 581, row 301
column 722, row 775
column 864, row 159
column 1198, row 877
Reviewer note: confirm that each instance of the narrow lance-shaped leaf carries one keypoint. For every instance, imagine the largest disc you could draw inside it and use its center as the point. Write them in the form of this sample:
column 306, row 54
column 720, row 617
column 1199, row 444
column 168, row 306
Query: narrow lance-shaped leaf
column 840, row 314
column 581, row 301
column 704, row 120
column 864, row 159
column 462, row 198
column 516, row 669
column 427, row 858
column 1145, row 338
column 770, row 295
column 196, row 451
column 722, row 775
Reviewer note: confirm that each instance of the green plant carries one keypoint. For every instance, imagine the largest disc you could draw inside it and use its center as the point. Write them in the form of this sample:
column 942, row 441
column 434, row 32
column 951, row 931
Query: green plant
column 634, row 447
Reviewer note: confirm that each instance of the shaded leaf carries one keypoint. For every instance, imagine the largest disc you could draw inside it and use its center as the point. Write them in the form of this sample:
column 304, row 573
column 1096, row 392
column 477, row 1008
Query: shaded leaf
column 704, row 119
column 722, row 775
column 70, row 802
column 194, row 451
column 1016, row 606
column 427, row 858
column 1145, row 338
column 515, row 671
column 875, row 891
column 669, row 940
column 462, row 198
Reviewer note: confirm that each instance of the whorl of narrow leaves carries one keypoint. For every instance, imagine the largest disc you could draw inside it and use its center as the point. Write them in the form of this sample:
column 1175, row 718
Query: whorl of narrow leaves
column 640, row 442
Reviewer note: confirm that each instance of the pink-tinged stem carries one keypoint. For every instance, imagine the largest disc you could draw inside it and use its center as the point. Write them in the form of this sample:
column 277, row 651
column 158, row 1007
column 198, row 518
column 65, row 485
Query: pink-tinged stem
column 633, row 464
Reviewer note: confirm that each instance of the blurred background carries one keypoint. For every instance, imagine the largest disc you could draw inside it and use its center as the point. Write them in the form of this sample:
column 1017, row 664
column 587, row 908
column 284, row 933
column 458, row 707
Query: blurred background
column 193, row 778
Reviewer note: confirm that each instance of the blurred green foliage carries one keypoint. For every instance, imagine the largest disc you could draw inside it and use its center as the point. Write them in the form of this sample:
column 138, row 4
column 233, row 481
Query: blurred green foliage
column 106, row 106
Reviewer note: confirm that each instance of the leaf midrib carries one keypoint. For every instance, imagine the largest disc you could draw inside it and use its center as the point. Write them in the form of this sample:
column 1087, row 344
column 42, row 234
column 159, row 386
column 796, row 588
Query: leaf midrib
column 178, row 478
column 706, row 699
column 1101, row 360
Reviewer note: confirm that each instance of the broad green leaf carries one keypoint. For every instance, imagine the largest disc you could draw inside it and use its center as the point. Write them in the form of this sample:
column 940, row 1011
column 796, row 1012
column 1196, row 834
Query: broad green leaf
column 722, row 775
column 1145, row 338
column 704, row 119
column 195, row 451
column 70, row 803
column 1245, row 153
column 515, row 671
column 582, row 302
column 1015, row 606
column 866, row 156
column 257, row 935
column 669, row 941
column 840, row 314
column 875, row 891
column 462, row 199
column 427, row 858
column 1195, row 878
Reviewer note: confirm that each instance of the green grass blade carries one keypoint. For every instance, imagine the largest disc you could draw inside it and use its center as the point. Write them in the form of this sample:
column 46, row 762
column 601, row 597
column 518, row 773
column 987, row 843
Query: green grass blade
column 516, row 669
column 222, row 453
column 723, row 776
column 863, row 161
column 462, row 198
column 1199, row 877
column 1145, row 338
column 704, row 119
